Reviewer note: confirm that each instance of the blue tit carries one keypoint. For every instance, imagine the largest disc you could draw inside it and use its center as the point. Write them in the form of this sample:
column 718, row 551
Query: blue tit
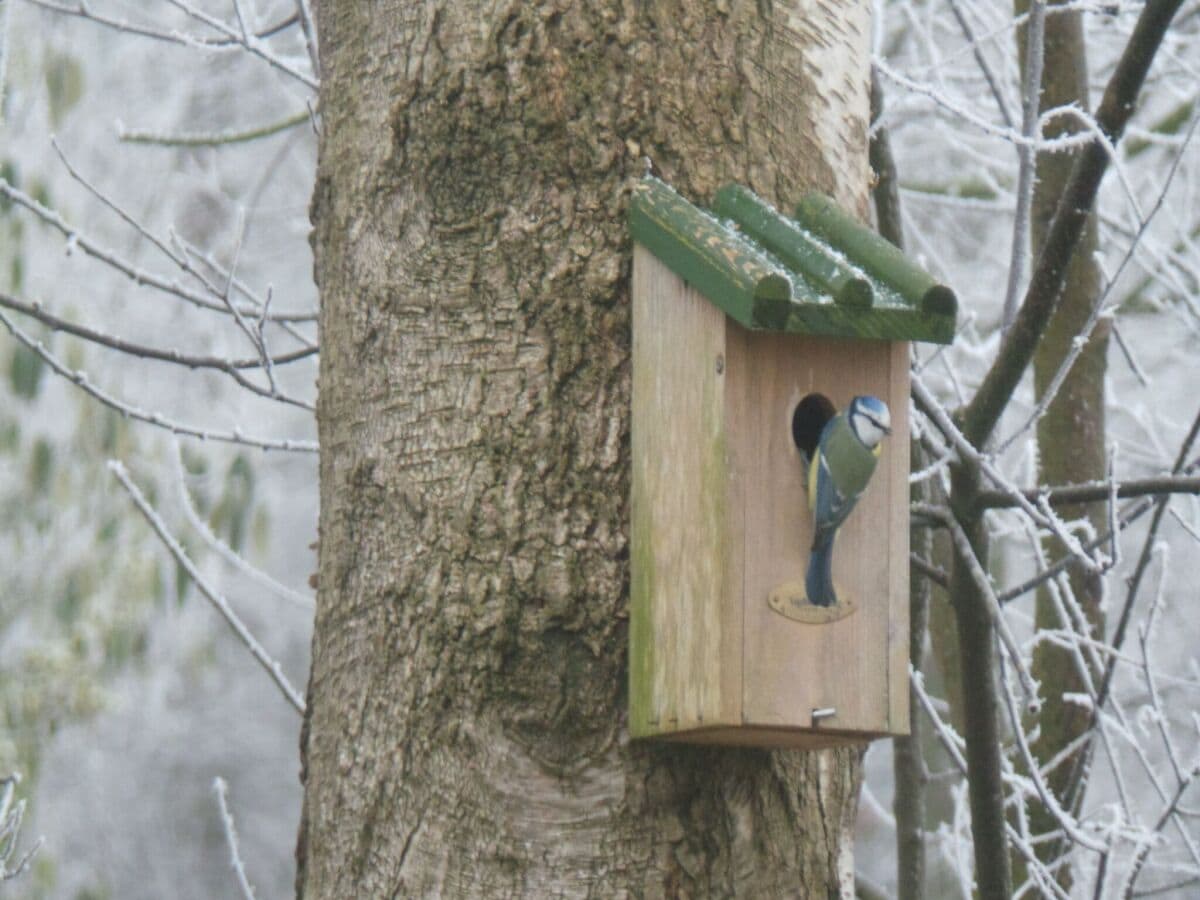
column 840, row 469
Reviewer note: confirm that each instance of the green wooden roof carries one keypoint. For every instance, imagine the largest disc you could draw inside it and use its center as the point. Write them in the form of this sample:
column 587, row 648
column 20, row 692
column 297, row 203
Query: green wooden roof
column 821, row 273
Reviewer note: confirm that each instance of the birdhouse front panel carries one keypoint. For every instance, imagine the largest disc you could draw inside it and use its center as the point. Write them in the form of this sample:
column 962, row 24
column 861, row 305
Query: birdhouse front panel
column 851, row 669
column 769, row 533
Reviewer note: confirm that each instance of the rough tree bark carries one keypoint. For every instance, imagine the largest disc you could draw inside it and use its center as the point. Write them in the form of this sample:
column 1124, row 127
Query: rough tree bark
column 465, row 733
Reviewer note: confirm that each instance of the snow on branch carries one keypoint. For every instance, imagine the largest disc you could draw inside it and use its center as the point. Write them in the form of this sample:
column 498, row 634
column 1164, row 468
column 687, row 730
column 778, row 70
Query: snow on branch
column 231, row 367
column 12, row 814
column 221, row 789
column 218, row 601
column 80, row 379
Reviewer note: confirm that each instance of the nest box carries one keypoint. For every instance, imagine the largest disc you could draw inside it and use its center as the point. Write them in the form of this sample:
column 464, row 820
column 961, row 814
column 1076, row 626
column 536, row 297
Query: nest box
column 750, row 330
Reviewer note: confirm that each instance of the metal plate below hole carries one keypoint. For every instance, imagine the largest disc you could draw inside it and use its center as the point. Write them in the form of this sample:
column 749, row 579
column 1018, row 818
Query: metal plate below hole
column 790, row 600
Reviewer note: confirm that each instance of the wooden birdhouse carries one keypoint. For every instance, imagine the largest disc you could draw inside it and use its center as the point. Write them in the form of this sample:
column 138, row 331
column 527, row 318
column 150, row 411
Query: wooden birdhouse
column 750, row 330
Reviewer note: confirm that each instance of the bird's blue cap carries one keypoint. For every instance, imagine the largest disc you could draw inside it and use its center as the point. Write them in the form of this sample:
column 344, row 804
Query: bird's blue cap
column 874, row 408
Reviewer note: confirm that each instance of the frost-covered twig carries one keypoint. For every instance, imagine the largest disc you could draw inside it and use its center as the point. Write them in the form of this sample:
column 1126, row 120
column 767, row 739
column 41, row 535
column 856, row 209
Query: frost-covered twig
column 80, row 380
column 11, row 816
column 992, row 605
column 1041, row 514
column 1064, row 819
column 1095, row 491
column 223, row 550
column 83, row 10
column 182, row 254
column 214, row 139
column 981, row 60
column 249, row 41
column 1100, row 306
column 1168, row 812
column 1045, row 285
column 953, row 744
column 1031, row 91
column 1135, row 580
column 77, row 239
column 231, row 367
column 308, row 26
column 220, row 788
column 269, row 665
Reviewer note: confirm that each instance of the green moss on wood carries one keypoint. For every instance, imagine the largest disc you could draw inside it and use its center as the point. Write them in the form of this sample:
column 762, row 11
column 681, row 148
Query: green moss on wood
column 734, row 274
column 793, row 246
column 878, row 257
column 824, row 275
column 641, row 622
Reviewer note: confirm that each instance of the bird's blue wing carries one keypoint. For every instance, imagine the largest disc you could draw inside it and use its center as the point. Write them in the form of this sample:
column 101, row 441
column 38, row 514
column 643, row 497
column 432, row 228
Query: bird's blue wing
column 832, row 507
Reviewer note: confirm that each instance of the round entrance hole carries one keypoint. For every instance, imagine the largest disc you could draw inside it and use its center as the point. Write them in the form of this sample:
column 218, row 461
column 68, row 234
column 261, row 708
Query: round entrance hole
column 808, row 420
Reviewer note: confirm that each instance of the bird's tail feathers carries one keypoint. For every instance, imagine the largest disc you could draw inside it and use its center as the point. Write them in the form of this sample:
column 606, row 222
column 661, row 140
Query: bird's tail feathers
column 818, row 582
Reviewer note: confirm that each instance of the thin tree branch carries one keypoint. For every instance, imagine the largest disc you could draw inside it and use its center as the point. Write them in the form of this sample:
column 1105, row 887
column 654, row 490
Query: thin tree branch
column 1030, row 96
column 889, row 221
column 250, row 42
column 80, row 380
column 929, row 570
column 988, row 600
column 1094, row 492
column 220, row 788
column 213, row 140
column 1041, row 297
column 224, row 550
column 83, row 11
column 230, row 367
column 269, row 665
column 981, row 61
column 76, row 239
column 11, row 817
column 1079, row 774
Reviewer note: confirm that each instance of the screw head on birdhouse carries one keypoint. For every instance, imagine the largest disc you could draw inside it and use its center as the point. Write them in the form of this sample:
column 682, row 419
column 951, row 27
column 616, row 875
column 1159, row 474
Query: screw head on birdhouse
column 751, row 331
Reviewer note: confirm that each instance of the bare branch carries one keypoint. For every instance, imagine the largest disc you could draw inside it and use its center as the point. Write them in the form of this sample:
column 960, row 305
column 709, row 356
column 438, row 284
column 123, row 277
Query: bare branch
column 231, row 367
column 77, row 239
column 224, row 550
column 1094, row 492
column 215, row 139
column 80, row 379
column 983, row 583
column 269, row 665
column 83, row 11
column 1041, row 298
column 220, row 788
column 249, row 42
column 11, row 817
column 1030, row 94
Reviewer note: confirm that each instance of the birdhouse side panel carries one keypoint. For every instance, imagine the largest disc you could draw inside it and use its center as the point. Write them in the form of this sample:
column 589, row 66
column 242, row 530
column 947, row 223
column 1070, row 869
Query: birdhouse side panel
column 842, row 667
column 901, row 464
column 684, row 663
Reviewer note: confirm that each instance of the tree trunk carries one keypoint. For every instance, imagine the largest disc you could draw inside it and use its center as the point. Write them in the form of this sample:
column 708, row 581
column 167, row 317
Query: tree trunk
column 1071, row 446
column 466, row 733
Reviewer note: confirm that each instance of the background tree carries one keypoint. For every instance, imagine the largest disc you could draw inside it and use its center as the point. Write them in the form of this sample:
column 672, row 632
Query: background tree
column 1071, row 435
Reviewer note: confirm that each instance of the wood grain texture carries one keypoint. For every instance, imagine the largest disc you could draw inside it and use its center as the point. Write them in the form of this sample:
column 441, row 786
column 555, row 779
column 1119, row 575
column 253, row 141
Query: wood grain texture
column 899, row 458
column 684, row 663
column 792, row 668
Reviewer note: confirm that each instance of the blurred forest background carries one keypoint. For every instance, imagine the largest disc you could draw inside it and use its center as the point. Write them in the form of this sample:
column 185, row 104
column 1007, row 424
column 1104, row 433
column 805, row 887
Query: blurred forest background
column 158, row 159
column 122, row 695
